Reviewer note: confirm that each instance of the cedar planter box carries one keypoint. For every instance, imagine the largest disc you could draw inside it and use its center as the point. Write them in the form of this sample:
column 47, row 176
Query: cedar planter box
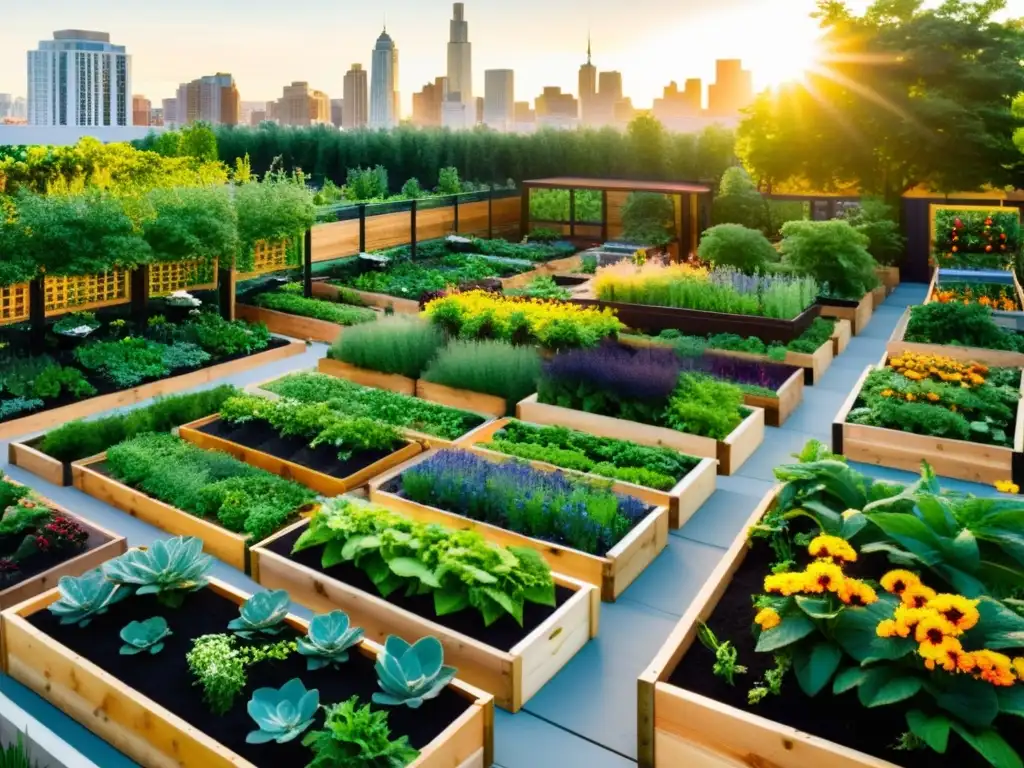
column 677, row 727
column 541, row 269
column 463, row 399
column 890, row 277
column 654, row 319
column 683, row 500
column 878, row 295
column 959, row 459
column 779, row 408
column 841, row 337
column 295, row 326
column 41, row 420
column 512, row 675
column 730, row 453
column 328, row 485
column 403, row 385
column 27, row 455
column 325, row 290
column 232, row 548
column 857, row 313
column 154, row 736
column 612, row 572
column 997, row 358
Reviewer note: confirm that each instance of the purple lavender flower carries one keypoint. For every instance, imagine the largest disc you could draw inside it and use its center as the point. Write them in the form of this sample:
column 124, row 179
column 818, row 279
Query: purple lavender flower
column 643, row 374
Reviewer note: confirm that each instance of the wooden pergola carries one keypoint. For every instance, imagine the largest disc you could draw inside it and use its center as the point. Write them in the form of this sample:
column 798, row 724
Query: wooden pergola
column 691, row 213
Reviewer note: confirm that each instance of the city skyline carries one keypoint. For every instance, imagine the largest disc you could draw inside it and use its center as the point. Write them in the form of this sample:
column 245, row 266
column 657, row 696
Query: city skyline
column 541, row 54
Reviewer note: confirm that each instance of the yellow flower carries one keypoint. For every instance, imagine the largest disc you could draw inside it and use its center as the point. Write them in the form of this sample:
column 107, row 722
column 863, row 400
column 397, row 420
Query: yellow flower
column 911, row 397
column 932, row 629
column 913, row 375
column 949, row 655
column 1007, row 486
column 917, row 596
column 887, row 393
column 823, row 576
column 888, row 628
column 957, row 610
column 995, row 668
column 784, row 583
column 833, row 548
column 939, row 651
column 896, row 582
column 907, row 619
column 768, row 618
column 854, row 592
column 933, row 397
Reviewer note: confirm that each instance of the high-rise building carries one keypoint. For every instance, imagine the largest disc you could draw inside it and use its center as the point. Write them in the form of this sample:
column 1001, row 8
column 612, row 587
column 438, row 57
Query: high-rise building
column 6, row 105
column 257, row 117
column 384, row 112
column 212, row 99
column 499, row 99
column 426, row 105
column 356, row 112
column 588, row 87
column 557, row 109
column 610, row 87
column 460, row 57
column 677, row 105
column 732, row 90
column 301, row 105
column 247, row 108
column 479, row 112
column 455, row 115
column 156, row 116
column 337, row 112
column 141, row 108
column 20, row 109
column 170, row 111
column 79, row 79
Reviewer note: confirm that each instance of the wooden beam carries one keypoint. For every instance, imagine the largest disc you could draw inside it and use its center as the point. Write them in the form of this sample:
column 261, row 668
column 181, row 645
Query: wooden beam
column 412, row 230
column 307, row 264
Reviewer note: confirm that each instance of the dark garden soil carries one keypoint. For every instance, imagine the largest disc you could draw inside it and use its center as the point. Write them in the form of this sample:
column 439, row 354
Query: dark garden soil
column 840, row 719
column 832, row 301
column 260, row 436
column 43, row 561
column 166, row 679
column 503, row 634
column 65, row 357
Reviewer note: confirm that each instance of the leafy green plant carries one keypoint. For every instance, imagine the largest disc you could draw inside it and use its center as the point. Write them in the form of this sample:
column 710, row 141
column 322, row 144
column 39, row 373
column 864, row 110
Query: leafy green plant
column 124, row 363
column 219, row 666
column 542, row 287
column 648, row 219
column 18, row 405
column 84, row 597
column 318, row 309
column 282, row 714
column 225, row 338
column 397, row 345
column 739, row 202
column 967, row 325
column 703, row 405
column 16, row 755
column 357, row 737
column 277, row 208
column 190, row 224
column 492, row 367
column 56, row 379
column 366, row 183
column 874, row 219
column 448, row 182
column 144, row 636
column 411, row 674
column 328, row 640
column 833, row 253
column 169, row 569
column 726, row 655
column 262, row 614
column 733, row 245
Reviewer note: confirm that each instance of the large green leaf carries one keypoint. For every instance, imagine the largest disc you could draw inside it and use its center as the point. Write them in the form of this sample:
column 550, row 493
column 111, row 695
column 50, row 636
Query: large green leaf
column 1011, row 700
column 973, row 701
column 887, row 685
column 965, row 551
column 998, row 626
column 936, row 515
column 990, row 745
column 359, row 544
column 814, row 667
column 854, row 630
column 506, row 601
column 332, row 554
column 849, row 679
column 910, row 533
column 794, row 627
column 450, row 601
column 411, row 568
column 818, row 607
column 852, row 526
column 933, row 731
column 542, row 594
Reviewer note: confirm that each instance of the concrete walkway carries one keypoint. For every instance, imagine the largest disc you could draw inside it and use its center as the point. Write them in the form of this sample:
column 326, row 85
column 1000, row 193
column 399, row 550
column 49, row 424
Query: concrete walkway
column 587, row 714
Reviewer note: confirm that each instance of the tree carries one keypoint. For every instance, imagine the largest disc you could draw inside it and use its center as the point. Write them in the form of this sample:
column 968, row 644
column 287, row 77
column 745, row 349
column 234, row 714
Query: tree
column 874, row 219
column 906, row 96
column 199, row 141
column 739, row 202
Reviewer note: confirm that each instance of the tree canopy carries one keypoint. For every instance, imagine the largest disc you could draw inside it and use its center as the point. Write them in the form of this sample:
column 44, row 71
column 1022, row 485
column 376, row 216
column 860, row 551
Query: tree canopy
column 904, row 96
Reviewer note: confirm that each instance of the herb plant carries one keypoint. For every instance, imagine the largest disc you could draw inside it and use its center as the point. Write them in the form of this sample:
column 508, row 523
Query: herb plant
column 966, row 325
column 318, row 309
column 542, row 287
column 357, row 737
column 219, row 665
column 398, row 345
column 492, row 367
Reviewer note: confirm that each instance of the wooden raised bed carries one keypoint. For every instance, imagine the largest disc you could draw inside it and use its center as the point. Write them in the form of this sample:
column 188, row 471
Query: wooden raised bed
column 463, row 399
column 56, row 416
column 403, row 385
column 27, row 455
column 652, row 319
column 540, row 270
column 841, row 336
column 511, row 676
column 890, row 277
column 676, row 727
column 294, row 326
column 324, row 290
column 318, row 481
column 959, row 459
column 859, row 316
column 683, row 500
column 997, row 358
column 232, row 548
column 730, row 453
column 152, row 735
column 878, row 295
column 612, row 573
column 1018, row 292
column 779, row 408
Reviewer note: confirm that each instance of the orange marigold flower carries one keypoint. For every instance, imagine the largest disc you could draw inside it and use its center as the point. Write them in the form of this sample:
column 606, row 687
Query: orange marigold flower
column 907, row 619
column 994, row 668
column 931, row 629
column 911, row 397
column 888, row 628
column 854, row 592
column 917, row 596
column 785, row 584
column 767, row 618
column 823, row 576
column 913, row 375
column 933, row 397
column 832, row 548
column 895, row 582
column 957, row 610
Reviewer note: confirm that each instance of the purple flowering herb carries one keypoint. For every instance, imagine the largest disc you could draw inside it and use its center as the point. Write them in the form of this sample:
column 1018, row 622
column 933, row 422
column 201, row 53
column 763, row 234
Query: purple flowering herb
column 643, row 374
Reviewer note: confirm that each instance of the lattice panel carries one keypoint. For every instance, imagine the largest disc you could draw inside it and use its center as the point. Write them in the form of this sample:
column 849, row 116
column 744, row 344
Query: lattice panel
column 174, row 276
column 67, row 294
column 268, row 257
column 14, row 303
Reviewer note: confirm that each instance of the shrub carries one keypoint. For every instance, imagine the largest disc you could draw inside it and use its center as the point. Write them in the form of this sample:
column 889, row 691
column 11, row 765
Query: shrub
column 366, row 183
column 874, row 219
column 188, row 224
column 316, row 308
column 967, row 325
column 399, row 345
column 648, row 218
column 739, row 202
column 833, row 253
column 412, row 189
column 225, row 338
column 703, row 405
column 448, row 182
column 275, row 209
column 492, row 367
column 733, row 245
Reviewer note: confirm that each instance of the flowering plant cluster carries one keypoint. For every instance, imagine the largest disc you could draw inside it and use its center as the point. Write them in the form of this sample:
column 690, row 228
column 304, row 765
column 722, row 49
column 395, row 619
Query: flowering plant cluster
column 552, row 506
column 520, row 320
column 987, row 294
column 917, row 367
column 977, row 239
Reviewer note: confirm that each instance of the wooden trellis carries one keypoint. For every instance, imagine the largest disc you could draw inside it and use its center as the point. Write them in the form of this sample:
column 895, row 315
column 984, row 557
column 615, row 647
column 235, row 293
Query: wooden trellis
column 197, row 275
column 85, row 292
column 14, row 303
column 267, row 257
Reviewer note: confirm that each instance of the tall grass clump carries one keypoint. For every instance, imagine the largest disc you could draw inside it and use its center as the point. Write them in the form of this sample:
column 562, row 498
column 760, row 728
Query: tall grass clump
column 492, row 367
column 398, row 345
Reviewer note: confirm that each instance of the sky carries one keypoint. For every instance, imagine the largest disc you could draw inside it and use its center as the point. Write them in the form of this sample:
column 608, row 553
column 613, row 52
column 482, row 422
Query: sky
column 266, row 44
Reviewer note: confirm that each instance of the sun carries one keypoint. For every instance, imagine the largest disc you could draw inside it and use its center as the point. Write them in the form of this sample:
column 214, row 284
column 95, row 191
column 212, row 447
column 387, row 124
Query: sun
column 790, row 61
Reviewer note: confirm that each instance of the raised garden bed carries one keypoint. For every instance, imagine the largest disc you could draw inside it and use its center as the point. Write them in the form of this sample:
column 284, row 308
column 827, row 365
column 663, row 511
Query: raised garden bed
column 26, row 454
column 890, row 277
column 682, row 500
column 961, row 459
column 545, row 268
column 324, row 290
column 993, row 357
column 779, row 408
column 403, row 385
column 286, row 324
column 858, row 313
column 506, row 660
column 878, row 296
column 841, row 337
column 151, row 710
column 612, row 572
column 730, row 452
column 318, row 468
column 463, row 399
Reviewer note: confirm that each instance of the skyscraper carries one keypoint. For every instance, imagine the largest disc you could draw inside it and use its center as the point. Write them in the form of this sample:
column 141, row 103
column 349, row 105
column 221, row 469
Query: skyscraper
column 426, row 105
column 212, row 99
column 732, row 90
column 301, row 105
column 384, row 111
column 79, row 79
column 356, row 111
column 460, row 58
column 141, row 107
column 499, row 99
column 170, row 112
column 6, row 105
column 588, row 88
column 20, row 110
column 337, row 112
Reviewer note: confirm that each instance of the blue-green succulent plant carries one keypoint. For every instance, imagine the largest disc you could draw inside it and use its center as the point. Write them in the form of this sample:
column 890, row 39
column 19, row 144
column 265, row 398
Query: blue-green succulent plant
column 86, row 596
column 411, row 674
column 282, row 713
column 263, row 613
column 148, row 635
column 169, row 569
column 328, row 640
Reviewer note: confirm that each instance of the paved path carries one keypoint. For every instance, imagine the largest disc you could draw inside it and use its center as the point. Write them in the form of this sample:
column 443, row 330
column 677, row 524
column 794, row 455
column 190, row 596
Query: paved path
column 586, row 716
